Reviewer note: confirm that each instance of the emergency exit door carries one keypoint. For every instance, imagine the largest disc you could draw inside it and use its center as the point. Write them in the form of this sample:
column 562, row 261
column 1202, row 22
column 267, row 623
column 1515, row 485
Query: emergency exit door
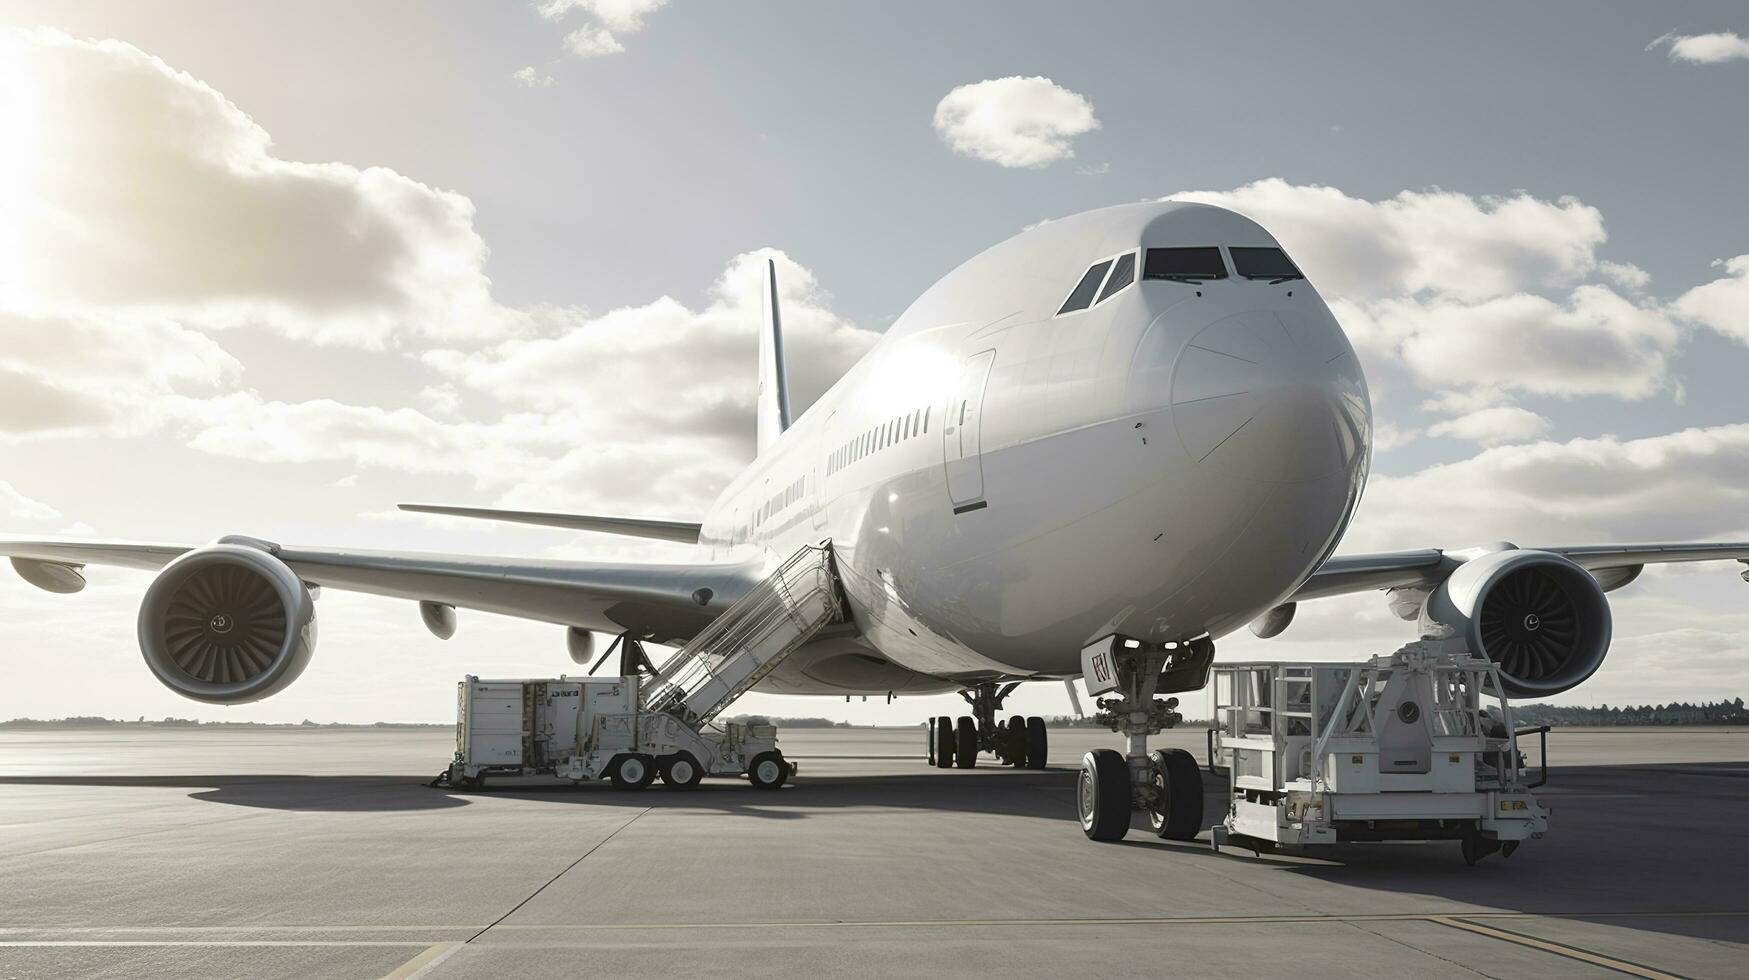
column 965, row 471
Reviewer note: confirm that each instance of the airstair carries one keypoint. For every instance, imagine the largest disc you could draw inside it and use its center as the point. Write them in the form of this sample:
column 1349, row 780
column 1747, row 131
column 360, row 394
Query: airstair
column 633, row 727
column 749, row 639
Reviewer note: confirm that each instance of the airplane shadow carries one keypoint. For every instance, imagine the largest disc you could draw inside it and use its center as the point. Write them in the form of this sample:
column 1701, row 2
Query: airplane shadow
column 1658, row 848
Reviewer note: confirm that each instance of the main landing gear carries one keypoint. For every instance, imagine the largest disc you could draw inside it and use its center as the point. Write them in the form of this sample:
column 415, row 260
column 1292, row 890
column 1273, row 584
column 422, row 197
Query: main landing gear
column 1165, row 784
column 1019, row 742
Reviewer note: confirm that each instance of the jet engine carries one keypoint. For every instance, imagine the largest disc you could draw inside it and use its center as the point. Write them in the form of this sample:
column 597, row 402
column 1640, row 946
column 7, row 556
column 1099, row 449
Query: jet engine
column 228, row 623
column 1541, row 617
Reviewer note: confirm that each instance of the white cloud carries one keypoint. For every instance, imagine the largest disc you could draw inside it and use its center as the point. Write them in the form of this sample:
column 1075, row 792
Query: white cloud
column 1722, row 304
column 606, row 22
column 531, row 77
column 86, row 373
column 1014, row 121
column 620, row 15
column 1387, row 435
column 15, row 506
column 1493, row 426
column 1704, row 49
column 1626, row 275
column 1452, row 287
column 592, row 41
column 141, row 191
column 1596, row 343
column 1688, row 485
column 662, row 368
column 1439, row 242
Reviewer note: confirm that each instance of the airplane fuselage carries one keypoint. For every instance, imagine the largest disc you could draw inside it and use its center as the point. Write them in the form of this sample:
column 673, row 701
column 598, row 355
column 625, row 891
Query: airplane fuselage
column 1003, row 482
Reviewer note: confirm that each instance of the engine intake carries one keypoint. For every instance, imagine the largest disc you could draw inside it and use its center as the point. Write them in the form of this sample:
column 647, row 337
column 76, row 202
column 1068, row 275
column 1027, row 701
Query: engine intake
column 1541, row 617
column 227, row 624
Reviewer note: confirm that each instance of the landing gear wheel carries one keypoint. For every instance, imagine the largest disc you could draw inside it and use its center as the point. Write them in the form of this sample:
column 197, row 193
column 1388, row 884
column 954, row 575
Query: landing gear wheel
column 1102, row 795
column 1178, row 791
column 965, row 752
column 1037, row 743
column 768, row 771
column 631, row 771
column 929, row 741
column 681, row 771
column 944, row 742
column 1013, row 743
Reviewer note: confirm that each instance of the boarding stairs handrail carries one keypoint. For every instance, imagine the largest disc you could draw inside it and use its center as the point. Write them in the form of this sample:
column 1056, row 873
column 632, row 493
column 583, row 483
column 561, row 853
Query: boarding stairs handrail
column 750, row 638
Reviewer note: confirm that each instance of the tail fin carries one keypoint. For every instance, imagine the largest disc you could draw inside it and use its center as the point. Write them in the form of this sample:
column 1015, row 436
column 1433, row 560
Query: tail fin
column 773, row 403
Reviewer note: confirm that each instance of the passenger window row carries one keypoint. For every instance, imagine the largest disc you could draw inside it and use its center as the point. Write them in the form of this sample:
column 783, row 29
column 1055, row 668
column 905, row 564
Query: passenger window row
column 783, row 498
column 888, row 433
column 1193, row 264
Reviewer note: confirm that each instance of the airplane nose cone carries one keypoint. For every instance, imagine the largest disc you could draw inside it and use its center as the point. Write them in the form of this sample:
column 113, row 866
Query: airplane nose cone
column 1276, row 397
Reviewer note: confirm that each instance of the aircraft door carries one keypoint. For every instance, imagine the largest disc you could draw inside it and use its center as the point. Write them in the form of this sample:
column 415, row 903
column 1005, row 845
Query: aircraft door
column 965, row 471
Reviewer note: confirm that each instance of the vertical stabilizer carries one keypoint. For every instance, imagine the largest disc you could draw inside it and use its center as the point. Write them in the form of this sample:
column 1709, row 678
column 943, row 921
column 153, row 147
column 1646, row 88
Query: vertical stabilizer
column 773, row 404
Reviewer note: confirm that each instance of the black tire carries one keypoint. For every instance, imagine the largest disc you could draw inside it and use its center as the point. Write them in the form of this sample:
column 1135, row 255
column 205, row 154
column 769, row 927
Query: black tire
column 1038, row 745
column 965, row 750
column 1102, row 795
column 681, row 771
column 631, row 771
column 1014, row 742
column 474, row 782
column 768, row 770
column 944, row 742
column 1178, row 781
column 929, row 741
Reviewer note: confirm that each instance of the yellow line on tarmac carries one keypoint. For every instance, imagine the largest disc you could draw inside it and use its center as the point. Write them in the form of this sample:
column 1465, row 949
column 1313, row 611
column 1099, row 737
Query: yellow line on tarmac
column 1558, row 949
column 432, row 956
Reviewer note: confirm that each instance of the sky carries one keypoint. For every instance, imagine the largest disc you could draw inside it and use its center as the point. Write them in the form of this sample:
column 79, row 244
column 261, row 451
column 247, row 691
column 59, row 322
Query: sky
column 271, row 269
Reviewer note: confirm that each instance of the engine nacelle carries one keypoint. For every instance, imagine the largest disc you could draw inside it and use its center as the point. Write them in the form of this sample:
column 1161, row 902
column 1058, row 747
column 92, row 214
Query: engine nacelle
column 227, row 624
column 1541, row 617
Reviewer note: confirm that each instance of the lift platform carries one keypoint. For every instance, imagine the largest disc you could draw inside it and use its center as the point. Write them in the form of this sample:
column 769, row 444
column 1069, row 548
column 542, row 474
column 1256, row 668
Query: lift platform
column 632, row 728
column 1415, row 746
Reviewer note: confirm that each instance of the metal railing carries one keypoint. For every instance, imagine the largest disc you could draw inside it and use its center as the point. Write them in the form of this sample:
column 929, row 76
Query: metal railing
column 750, row 638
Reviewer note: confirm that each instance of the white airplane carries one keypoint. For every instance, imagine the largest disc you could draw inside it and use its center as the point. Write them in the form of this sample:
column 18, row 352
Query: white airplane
column 1127, row 432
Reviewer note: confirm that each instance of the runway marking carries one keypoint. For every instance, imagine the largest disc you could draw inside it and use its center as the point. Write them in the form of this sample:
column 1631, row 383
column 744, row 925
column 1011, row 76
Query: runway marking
column 1558, row 949
column 424, row 962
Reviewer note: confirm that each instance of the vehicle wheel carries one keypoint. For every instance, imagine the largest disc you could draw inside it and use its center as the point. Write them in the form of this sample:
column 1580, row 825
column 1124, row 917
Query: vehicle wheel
column 1010, row 741
column 1178, row 789
column 1038, row 746
column 681, row 771
column 631, row 771
column 1476, row 847
column 929, row 741
column 768, row 770
column 1102, row 795
column 944, row 742
column 965, row 750
column 474, row 782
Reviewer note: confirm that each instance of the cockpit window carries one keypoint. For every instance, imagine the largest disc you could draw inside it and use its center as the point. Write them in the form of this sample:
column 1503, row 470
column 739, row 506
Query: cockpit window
column 1184, row 264
column 1264, row 263
column 1122, row 274
column 1082, row 297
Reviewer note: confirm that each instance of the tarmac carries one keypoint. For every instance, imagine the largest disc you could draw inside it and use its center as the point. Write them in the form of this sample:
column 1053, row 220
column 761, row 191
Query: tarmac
column 315, row 853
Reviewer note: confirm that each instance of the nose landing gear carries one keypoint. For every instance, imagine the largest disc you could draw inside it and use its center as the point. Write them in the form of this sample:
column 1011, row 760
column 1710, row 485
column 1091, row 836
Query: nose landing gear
column 1167, row 784
column 1020, row 742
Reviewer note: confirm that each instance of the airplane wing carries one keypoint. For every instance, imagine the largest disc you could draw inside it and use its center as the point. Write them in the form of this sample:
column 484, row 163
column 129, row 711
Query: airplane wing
column 659, row 602
column 685, row 532
column 1344, row 574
